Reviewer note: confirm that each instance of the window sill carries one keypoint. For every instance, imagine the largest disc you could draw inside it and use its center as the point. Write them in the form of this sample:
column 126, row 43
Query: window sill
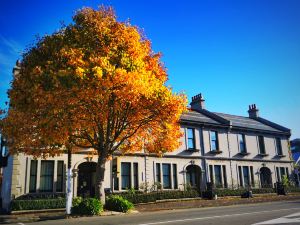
column 281, row 156
column 192, row 150
column 216, row 152
column 263, row 154
column 244, row 153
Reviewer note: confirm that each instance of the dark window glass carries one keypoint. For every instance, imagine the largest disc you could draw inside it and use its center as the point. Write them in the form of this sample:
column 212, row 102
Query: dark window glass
column 218, row 176
column 282, row 172
column 33, row 176
column 191, row 138
column 246, row 176
column 158, row 177
column 175, row 182
column 135, row 176
column 60, row 176
column 261, row 143
column 126, row 175
column 214, row 141
column 211, row 174
column 166, row 176
column 225, row 176
column 252, row 176
column 240, row 176
column 278, row 174
column 47, row 172
column 278, row 146
column 287, row 171
column 242, row 143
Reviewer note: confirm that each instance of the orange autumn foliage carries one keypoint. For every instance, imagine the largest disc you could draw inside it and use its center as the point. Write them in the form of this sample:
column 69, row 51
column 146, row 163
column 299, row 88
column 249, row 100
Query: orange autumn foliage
column 97, row 84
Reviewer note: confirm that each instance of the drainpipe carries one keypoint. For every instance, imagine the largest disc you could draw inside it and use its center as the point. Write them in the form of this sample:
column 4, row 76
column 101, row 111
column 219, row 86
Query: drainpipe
column 230, row 161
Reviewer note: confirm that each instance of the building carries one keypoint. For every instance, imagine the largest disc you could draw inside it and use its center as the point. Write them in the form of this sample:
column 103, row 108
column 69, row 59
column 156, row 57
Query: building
column 295, row 149
column 226, row 150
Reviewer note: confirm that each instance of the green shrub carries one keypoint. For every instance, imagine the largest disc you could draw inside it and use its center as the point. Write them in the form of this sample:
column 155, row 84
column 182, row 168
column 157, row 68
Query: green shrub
column 118, row 203
column 38, row 204
column 160, row 195
column 35, row 196
column 88, row 206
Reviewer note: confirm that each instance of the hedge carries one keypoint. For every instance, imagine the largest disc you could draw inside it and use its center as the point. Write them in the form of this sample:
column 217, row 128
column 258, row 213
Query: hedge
column 32, row 196
column 17, row 205
column 160, row 195
column 86, row 206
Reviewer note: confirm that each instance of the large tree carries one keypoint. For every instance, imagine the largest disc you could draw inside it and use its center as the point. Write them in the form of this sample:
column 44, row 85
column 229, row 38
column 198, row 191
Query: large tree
column 95, row 83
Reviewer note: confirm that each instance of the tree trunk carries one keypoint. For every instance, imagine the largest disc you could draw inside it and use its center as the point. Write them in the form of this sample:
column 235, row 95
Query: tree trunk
column 100, row 169
column 69, row 184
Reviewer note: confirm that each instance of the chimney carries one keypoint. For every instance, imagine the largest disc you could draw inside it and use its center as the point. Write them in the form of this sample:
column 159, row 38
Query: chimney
column 17, row 68
column 253, row 111
column 198, row 102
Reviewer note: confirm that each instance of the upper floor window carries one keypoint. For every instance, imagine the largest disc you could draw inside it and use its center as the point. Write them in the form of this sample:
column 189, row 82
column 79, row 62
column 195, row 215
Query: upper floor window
column 242, row 143
column 214, row 145
column 278, row 146
column 191, row 138
column 261, row 143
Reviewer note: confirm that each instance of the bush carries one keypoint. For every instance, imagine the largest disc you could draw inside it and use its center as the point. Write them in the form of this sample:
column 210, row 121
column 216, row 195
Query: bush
column 38, row 204
column 160, row 195
column 118, row 203
column 88, row 206
column 238, row 192
column 35, row 196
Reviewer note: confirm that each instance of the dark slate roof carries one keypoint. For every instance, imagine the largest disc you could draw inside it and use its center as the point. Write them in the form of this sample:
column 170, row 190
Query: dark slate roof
column 193, row 116
column 221, row 119
column 246, row 122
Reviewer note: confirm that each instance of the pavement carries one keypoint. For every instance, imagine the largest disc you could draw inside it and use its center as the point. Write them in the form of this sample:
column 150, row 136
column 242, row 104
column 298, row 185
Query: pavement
column 286, row 212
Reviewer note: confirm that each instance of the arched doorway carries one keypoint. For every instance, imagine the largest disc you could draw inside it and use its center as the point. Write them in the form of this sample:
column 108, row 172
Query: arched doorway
column 86, row 179
column 265, row 177
column 193, row 176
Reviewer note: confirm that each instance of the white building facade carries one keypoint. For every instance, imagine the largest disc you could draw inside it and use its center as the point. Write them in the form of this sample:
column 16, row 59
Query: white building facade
column 226, row 150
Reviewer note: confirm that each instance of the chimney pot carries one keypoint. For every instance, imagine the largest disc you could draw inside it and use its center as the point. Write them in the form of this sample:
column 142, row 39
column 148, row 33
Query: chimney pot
column 253, row 111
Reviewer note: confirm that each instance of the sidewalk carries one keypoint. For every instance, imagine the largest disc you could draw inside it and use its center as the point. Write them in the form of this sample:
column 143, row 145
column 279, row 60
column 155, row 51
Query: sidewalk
column 40, row 215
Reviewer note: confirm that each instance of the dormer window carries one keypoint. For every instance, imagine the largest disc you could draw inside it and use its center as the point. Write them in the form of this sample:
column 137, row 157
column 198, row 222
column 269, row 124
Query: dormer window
column 191, row 138
column 214, row 144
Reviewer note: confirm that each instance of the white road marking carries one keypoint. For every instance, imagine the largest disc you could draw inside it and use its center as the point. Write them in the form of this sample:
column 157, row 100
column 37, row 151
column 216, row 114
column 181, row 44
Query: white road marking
column 21, row 223
column 213, row 217
column 282, row 220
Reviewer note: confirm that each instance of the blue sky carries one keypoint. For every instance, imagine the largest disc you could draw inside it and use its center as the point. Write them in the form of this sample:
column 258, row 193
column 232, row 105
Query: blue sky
column 234, row 52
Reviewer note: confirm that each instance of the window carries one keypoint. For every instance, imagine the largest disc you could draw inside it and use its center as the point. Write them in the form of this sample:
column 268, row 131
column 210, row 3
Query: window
column 282, row 172
column 158, row 176
column 46, row 180
column 278, row 146
column 214, row 145
column 60, row 176
column 242, row 143
column 224, row 176
column 278, row 174
column 218, row 176
column 126, row 175
column 246, row 176
column 33, row 176
column 261, row 143
column 175, row 182
column 191, row 138
column 166, row 168
column 211, row 174
column 135, row 176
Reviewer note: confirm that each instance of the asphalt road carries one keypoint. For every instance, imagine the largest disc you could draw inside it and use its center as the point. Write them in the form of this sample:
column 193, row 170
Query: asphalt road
column 258, row 214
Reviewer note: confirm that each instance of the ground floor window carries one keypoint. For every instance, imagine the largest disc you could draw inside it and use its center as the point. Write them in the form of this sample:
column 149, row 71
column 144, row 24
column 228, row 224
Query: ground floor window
column 126, row 175
column 218, row 175
column 166, row 169
column 135, row 176
column 175, row 182
column 46, row 179
column 246, row 176
column 33, row 176
column 280, row 172
column 60, row 176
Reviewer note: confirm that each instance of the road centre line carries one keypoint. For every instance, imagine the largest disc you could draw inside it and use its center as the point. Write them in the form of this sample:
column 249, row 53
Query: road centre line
column 213, row 217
